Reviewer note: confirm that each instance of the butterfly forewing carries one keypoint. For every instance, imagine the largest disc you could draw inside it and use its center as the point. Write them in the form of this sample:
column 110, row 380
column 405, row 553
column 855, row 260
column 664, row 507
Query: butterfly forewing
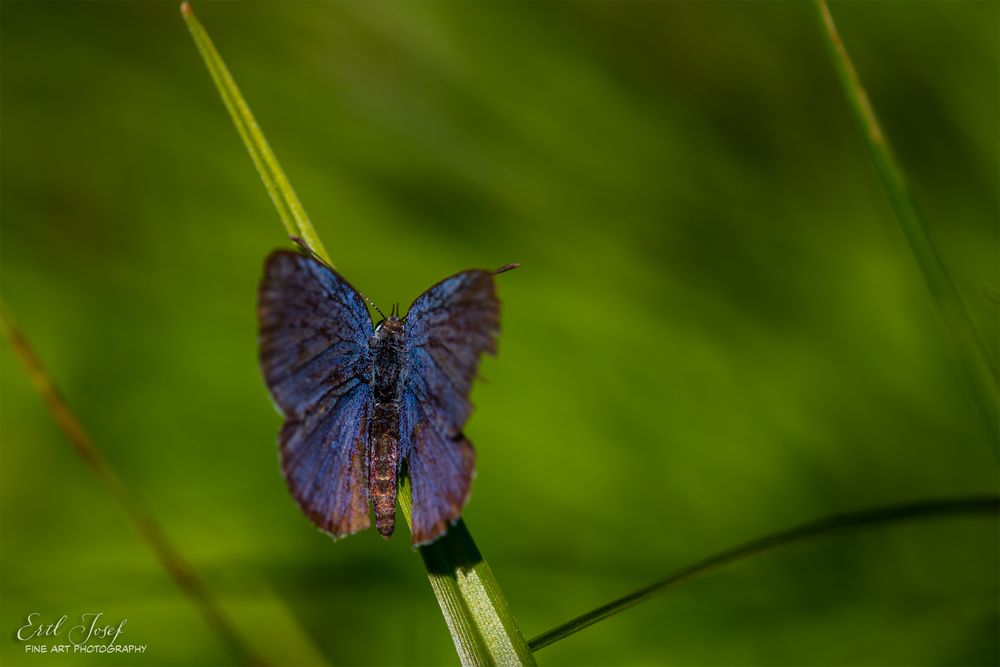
column 314, row 331
column 448, row 328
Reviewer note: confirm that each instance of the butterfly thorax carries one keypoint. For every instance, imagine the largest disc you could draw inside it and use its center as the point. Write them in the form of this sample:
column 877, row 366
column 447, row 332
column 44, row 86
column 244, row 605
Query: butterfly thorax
column 387, row 351
column 387, row 346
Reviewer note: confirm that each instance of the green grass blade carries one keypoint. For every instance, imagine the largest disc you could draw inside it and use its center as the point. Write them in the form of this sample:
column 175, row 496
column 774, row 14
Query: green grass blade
column 293, row 216
column 480, row 622
column 976, row 505
column 472, row 603
column 975, row 359
column 148, row 527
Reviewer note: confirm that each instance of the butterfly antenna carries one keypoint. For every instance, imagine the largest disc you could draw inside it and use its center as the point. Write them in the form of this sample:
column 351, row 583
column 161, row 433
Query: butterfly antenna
column 506, row 267
column 372, row 304
column 312, row 253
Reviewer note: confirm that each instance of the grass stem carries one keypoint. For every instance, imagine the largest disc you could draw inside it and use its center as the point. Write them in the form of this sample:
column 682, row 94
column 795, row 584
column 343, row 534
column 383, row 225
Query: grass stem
column 293, row 215
column 838, row 523
column 149, row 529
column 481, row 623
column 478, row 617
column 979, row 369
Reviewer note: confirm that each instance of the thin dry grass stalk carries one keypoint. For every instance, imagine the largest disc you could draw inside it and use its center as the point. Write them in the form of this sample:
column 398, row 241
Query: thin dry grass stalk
column 149, row 528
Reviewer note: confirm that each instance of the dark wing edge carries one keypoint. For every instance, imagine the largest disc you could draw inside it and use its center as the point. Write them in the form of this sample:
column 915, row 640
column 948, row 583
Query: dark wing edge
column 314, row 330
column 448, row 329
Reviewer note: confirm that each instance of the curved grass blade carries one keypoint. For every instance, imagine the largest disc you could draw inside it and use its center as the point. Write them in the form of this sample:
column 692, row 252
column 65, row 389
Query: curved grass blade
column 149, row 529
column 293, row 216
column 477, row 614
column 981, row 373
column 838, row 523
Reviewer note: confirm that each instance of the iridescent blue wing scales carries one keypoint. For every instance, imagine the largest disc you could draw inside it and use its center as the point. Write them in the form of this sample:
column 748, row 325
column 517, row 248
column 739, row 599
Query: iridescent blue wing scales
column 323, row 461
column 314, row 352
column 448, row 328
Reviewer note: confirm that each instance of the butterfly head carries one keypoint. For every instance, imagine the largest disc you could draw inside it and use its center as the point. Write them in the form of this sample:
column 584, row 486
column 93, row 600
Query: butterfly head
column 391, row 324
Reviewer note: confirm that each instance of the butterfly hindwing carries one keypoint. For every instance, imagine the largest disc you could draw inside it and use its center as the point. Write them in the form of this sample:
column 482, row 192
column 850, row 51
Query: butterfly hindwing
column 314, row 352
column 448, row 328
column 440, row 465
column 323, row 461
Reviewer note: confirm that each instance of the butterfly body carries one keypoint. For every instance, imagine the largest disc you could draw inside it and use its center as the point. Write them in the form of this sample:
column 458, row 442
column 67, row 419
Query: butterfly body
column 359, row 400
column 387, row 345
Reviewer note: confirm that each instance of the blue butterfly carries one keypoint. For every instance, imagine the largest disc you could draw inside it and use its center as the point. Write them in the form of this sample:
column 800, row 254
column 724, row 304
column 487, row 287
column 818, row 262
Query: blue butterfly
column 360, row 401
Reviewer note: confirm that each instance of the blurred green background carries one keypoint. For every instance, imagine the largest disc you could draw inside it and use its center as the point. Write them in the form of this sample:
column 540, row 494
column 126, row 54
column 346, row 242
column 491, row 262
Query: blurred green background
column 718, row 330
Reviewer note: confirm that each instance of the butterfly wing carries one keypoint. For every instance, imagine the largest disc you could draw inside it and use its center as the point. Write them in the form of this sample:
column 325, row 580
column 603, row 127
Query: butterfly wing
column 314, row 352
column 448, row 328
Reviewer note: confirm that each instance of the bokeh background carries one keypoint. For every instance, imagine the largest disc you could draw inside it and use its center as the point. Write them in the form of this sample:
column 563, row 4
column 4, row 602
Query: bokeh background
column 718, row 329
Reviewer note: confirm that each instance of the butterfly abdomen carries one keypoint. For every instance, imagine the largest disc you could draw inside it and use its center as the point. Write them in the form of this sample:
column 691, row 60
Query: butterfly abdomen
column 383, row 434
column 383, row 450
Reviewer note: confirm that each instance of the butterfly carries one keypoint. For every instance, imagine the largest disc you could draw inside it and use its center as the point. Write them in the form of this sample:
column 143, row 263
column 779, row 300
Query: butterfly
column 361, row 400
